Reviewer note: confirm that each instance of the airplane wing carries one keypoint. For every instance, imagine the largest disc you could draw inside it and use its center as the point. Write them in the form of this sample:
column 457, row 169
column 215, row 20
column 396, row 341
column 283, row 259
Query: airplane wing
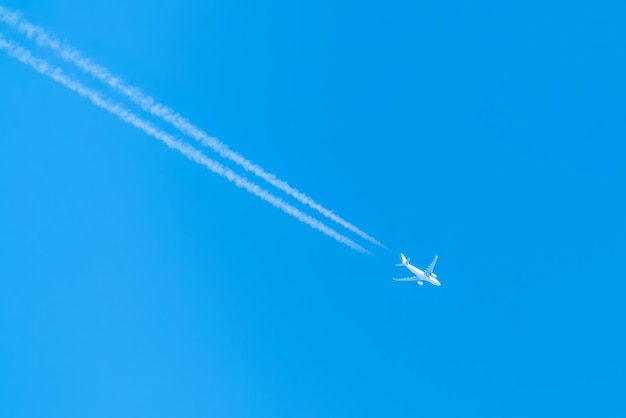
column 431, row 266
column 407, row 279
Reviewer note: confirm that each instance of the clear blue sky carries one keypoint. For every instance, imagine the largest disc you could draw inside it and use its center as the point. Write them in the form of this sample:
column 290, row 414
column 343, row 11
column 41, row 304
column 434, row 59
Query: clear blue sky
column 134, row 282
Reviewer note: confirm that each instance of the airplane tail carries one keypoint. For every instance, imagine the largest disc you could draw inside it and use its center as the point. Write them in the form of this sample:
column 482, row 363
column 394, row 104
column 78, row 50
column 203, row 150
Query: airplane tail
column 405, row 260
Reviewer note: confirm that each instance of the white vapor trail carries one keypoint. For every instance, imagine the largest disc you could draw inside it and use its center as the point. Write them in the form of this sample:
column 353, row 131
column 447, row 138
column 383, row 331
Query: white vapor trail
column 149, row 104
column 43, row 67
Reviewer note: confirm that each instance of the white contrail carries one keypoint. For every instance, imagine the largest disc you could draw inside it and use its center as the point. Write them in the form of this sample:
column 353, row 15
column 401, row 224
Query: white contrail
column 190, row 152
column 149, row 104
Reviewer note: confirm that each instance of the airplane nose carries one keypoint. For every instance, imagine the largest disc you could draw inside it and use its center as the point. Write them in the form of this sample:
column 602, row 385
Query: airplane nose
column 436, row 282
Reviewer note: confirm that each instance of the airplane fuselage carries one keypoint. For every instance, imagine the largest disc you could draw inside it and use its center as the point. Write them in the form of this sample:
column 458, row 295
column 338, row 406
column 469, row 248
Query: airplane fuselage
column 421, row 277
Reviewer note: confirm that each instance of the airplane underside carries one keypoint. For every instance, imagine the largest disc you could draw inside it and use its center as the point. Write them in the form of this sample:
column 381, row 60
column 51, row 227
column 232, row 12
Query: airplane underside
column 419, row 276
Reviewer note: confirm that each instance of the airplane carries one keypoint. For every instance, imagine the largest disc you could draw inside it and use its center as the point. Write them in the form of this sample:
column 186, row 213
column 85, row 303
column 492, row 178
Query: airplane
column 420, row 276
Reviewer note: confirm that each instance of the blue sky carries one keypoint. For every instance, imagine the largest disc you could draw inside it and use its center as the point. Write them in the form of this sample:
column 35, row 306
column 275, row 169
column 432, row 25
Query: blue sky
column 134, row 282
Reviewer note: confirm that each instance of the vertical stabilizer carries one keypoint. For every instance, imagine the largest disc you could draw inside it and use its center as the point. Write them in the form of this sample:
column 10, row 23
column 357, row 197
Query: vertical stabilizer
column 405, row 260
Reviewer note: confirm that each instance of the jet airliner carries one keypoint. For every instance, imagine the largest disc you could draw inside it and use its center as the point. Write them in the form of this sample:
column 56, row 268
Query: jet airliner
column 420, row 276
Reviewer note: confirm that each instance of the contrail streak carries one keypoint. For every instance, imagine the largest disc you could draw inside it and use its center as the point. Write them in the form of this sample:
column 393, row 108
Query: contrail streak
column 149, row 104
column 190, row 152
